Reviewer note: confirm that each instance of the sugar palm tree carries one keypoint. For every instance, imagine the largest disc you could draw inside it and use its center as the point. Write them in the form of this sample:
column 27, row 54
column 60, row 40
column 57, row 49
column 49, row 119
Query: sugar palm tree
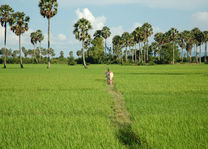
column 181, row 43
column 40, row 38
column 139, row 35
column 105, row 34
column 98, row 34
column 19, row 25
column 205, row 41
column 147, row 32
column 33, row 40
column 173, row 36
column 189, row 41
column 125, row 38
column 159, row 39
column 48, row 9
column 81, row 29
column 5, row 17
column 196, row 33
column 116, row 45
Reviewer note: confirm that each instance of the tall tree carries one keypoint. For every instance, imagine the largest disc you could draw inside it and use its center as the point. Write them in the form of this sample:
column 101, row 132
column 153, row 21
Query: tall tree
column 40, row 38
column 147, row 32
column 98, row 34
column 19, row 25
column 33, row 40
column 24, row 50
column 5, row 17
column 105, row 34
column 205, row 41
column 81, row 29
column 117, row 50
column 181, row 43
column 139, row 35
column 125, row 38
column 173, row 36
column 196, row 33
column 189, row 40
column 48, row 9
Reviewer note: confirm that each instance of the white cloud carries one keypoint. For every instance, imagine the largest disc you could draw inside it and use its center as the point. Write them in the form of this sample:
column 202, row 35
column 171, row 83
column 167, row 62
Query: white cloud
column 62, row 37
column 200, row 19
column 176, row 4
column 97, row 22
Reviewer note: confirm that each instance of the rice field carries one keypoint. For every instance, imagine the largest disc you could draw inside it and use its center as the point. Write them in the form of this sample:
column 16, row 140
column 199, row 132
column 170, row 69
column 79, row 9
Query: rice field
column 70, row 107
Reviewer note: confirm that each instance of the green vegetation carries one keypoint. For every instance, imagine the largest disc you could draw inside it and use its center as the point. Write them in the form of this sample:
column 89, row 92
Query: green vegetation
column 69, row 107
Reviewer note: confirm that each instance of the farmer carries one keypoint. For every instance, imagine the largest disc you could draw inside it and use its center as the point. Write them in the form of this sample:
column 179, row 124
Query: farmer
column 109, row 77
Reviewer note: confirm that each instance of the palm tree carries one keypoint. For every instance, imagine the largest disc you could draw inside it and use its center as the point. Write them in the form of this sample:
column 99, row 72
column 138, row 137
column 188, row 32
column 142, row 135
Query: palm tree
column 105, row 34
column 117, row 50
column 34, row 39
column 159, row 39
column 205, row 40
column 48, row 9
column 189, row 41
column 196, row 33
column 181, row 43
column 81, row 29
column 98, row 34
column 40, row 38
column 24, row 51
column 139, row 39
column 148, row 31
column 125, row 38
column 173, row 36
column 131, row 45
column 19, row 25
column 5, row 17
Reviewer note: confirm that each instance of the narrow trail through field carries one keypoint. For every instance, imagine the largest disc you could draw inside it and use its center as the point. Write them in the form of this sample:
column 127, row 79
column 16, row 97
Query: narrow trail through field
column 121, row 119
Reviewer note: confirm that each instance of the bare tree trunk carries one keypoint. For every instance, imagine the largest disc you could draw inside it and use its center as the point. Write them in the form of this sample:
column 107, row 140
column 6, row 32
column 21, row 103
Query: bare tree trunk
column 35, row 58
column 196, row 57
column 173, row 54
column 205, row 57
column 49, row 63
column 182, row 56
column 132, row 54
column 40, row 51
column 190, row 55
column 135, row 56
column 121, row 56
column 144, row 52
column 147, row 51
column 5, row 50
column 200, row 55
column 83, row 56
column 126, row 54
column 160, row 52
column 21, row 65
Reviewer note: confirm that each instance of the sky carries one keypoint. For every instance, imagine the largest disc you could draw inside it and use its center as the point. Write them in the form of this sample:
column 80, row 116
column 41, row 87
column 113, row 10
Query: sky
column 119, row 15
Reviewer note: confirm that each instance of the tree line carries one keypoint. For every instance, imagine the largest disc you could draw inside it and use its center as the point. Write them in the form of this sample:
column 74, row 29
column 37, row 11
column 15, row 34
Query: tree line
column 129, row 48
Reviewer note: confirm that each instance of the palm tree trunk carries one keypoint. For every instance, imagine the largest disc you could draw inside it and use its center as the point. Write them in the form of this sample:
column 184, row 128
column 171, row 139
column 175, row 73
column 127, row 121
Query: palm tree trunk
column 49, row 63
column 40, row 51
column 135, row 56
column 160, row 52
column 21, row 65
column 147, row 51
column 182, row 55
column 83, row 56
column 200, row 55
column 173, row 54
column 5, row 51
column 196, row 57
column 205, row 57
column 121, row 56
column 190, row 55
column 132, row 54
column 144, row 53
column 105, row 46
column 35, row 59
column 126, row 55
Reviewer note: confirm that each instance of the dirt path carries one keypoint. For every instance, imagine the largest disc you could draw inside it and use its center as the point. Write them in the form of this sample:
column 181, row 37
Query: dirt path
column 121, row 119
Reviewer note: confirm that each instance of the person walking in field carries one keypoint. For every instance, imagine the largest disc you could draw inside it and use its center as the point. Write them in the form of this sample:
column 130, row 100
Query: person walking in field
column 109, row 77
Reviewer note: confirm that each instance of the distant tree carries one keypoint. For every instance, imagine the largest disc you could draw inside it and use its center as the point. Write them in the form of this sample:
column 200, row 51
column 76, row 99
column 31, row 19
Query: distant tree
column 33, row 40
column 61, row 54
column 98, row 34
column 5, row 17
column 125, row 38
column 24, row 51
column 205, row 41
column 173, row 36
column 117, row 49
column 139, row 38
column 40, row 38
column 189, row 40
column 105, row 34
column 71, row 60
column 147, row 32
column 14, row 53
column 19, row 25
column 181, row 43
column 48, row 9
column 81, row 29
column 79, row 53
column 196, row 33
